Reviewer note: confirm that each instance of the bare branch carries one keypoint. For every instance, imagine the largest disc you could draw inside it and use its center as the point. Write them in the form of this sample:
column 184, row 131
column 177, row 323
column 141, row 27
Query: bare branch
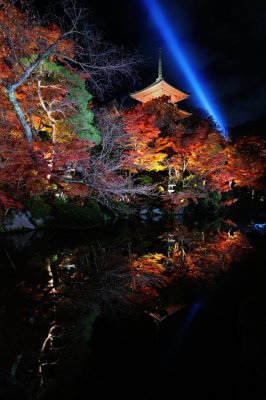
column 103, row 64
column 104, row 174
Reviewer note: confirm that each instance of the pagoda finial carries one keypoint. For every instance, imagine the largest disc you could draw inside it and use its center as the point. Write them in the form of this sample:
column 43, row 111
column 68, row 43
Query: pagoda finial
column 160, row 73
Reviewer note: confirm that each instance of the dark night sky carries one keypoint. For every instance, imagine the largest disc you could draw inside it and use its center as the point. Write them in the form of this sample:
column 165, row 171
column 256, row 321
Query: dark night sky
column 225, row 39
column 226, row 42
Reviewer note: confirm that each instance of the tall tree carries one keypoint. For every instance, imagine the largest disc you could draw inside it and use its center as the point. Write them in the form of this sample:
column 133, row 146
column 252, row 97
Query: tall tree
column 246, row 162
column 144, row 144
column 22, row 36
column 105, row 175
column 44, row 74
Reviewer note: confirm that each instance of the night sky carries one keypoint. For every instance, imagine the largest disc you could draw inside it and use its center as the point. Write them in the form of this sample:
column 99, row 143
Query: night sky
column 224, row 41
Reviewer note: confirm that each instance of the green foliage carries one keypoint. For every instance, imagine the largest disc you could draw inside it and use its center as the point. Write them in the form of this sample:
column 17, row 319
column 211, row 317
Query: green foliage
column 122, row 207
column 106, row 218
column 210, row 205
column 82, row 119
column 54, row 258
column 38, row 207
column 59, row 201
column 88, row 323
column 76, row 215
column 145, row 179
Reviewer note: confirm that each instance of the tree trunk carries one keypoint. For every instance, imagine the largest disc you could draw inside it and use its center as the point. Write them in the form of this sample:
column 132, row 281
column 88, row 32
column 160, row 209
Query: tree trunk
column 20, row 115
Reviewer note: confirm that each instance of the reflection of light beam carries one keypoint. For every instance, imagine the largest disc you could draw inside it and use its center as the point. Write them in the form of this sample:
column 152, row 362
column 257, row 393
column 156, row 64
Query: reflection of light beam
column 178, row 338
column 172, row 42
column 189, row 319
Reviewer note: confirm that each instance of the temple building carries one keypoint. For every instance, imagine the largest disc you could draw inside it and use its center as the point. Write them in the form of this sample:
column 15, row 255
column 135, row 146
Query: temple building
column 162, row 88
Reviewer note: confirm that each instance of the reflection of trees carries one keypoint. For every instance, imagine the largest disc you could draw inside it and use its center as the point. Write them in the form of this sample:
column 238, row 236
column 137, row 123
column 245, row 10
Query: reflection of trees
column 192, row 256
column 115, row 276
column 159, row 270
column 127, row 273
column 62, row 288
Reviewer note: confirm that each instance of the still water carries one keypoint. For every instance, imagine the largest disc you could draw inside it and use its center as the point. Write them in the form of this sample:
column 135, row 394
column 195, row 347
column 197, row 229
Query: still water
column 135, row 310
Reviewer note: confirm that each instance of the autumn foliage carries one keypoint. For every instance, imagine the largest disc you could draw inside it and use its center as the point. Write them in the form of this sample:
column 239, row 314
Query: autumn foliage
column 47, row 129
column 46, row 103
column 191, row 257
column 194, row 161
column 144, row 147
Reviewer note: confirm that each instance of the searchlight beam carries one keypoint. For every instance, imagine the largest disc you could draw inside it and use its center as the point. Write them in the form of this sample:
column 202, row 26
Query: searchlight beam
column 169, row 36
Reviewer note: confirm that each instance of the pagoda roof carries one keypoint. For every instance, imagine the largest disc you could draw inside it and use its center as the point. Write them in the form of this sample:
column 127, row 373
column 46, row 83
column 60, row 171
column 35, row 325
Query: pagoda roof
column 157, row 89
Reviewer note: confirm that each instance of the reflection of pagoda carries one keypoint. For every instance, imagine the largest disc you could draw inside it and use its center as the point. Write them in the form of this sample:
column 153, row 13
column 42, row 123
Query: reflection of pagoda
column 161, row 88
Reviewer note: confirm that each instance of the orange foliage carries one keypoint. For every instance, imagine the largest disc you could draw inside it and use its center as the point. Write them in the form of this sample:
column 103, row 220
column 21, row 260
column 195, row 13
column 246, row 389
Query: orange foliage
column 149, row 263
column 144, row 145
column 24, row 172
column 246, row 162
column 20, row 173
column 192, row 255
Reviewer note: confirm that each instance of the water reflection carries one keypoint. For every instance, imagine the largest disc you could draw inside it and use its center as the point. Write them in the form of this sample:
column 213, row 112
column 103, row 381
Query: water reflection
column 54, row 286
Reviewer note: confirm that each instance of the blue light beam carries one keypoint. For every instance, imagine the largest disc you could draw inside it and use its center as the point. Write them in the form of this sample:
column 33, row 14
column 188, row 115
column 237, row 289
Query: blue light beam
column 193, row 311
column 172, row 42
column 178, row 339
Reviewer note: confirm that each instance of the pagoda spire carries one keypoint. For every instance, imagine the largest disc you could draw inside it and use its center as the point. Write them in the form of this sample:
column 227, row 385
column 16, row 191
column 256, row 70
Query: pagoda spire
column 160, row 69
column 160, row 88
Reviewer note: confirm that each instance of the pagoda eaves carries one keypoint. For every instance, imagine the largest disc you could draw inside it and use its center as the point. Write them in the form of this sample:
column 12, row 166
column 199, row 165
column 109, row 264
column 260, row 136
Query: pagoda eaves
column 157, row 89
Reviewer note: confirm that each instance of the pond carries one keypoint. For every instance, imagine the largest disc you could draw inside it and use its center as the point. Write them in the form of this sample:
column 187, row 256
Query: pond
column 136, row 310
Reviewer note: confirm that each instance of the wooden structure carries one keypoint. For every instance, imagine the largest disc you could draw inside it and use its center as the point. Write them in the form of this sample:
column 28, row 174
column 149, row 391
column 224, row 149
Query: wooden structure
column 161, row 88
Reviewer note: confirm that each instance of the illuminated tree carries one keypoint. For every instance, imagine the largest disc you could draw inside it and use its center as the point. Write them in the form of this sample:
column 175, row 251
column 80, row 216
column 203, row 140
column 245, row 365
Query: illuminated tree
column 19, row 173
column 22, row 36
column 144, row 144
column 246, row 162
column 104, row 174
column 190, row 256
column 44, row 73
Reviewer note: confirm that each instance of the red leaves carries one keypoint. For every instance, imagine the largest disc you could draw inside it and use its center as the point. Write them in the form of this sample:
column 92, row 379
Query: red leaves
column 230, row 202
column 191, row 255
column 28, row 37
column 177, row 201
column 70, row 152
column 246, row 162
column 74, row 189
column 150, row 263
column 26, row 171
column 20, row 171
column 7, row 202
column 144, row 146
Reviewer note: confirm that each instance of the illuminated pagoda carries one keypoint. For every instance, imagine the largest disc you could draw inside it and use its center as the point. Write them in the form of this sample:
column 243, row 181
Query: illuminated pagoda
column 162, row 88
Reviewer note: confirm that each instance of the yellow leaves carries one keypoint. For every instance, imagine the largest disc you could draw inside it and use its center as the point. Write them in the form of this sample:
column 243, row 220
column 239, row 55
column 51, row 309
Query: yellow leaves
column 48, row 155
column 16, row 134
column 36, row 120
column 132, row 170
column 150, row 161
column 155, row 256
column 150, row 263
column 53, row 187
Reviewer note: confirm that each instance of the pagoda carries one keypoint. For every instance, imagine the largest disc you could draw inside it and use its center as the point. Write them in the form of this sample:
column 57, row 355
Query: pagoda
column 162, row 88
